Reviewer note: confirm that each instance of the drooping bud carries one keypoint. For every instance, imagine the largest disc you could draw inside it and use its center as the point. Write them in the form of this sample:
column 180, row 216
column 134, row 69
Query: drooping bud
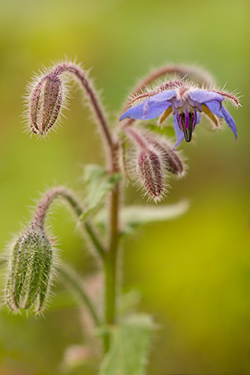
column 150, row 171
column 30, row 271
column 171, row 160
column 45, row 103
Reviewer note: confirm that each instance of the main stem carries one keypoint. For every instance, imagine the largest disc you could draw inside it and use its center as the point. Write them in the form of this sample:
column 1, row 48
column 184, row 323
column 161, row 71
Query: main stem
column 110, row 259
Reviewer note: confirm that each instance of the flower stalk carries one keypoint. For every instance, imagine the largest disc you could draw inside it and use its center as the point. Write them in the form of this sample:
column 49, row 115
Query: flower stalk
column 75, row 205
column 93, row 99
column 47, row 99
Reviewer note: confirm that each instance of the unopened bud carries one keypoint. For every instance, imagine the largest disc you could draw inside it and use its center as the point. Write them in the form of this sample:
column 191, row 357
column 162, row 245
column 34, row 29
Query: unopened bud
column 170, row 159
column 150, row 170
column 45, row 103
column 30, row 271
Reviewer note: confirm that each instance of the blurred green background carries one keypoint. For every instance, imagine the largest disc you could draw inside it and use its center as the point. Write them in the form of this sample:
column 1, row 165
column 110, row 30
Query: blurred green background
column 193, row 273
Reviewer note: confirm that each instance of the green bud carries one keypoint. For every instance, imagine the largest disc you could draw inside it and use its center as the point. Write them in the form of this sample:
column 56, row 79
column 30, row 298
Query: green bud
column 30, row 271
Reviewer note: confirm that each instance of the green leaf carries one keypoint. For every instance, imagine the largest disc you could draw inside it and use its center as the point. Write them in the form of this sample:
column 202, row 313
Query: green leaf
column 166, row 130
column 135, row 216
column 128, row 301
column 98, row 183
column 130, row 343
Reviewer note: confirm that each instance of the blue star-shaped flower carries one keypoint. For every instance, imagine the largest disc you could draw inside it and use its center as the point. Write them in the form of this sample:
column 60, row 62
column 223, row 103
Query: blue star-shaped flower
column 186, row 104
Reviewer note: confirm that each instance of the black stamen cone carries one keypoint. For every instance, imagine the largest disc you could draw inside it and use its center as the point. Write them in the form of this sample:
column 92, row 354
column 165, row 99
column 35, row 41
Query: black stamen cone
column 189, row 131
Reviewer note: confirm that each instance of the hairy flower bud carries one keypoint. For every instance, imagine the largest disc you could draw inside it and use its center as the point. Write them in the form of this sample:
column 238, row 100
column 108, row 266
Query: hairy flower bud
column 30, row 271
column 45, row 103
column 150, row 171
column 171, row 160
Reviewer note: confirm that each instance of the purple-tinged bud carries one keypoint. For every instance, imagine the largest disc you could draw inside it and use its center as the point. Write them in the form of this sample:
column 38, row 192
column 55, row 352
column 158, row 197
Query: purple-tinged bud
column 45, row 103
column 150, row 171
column 30, row 271
column 48, row 96
column 171, row 160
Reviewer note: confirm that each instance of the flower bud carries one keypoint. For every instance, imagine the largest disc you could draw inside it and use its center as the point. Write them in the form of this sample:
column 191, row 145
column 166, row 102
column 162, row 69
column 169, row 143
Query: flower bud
column 150, row 171
column 30, row 271
column 45, row 103
column 170, row 159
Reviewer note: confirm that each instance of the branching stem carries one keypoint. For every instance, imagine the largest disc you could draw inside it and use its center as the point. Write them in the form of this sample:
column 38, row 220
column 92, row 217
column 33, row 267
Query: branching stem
column 70, row 198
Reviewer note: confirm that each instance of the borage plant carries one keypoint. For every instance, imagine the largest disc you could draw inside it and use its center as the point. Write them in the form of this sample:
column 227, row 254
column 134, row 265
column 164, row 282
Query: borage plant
column 140, row 153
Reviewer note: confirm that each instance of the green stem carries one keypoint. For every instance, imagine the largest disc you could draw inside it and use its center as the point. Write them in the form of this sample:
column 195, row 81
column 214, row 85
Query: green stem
column 86, row 225
column 94, row 239
column 110, row 260
column 74, row 282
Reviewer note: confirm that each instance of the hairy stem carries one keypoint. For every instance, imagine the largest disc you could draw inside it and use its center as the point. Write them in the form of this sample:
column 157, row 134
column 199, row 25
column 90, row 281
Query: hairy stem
column 136, row 137
column 70, row 198
column 73, row 281
column 109, row 255
column 110, row 262
column 93, row 99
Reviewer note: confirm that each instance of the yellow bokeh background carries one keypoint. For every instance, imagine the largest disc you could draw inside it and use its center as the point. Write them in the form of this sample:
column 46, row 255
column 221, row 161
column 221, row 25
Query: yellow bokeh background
column 193, row 273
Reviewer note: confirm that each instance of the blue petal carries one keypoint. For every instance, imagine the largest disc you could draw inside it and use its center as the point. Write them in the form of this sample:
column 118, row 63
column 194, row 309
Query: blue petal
column 230, row 121
column 151, row 108
column 140, row 112
column 203, row 96
column 178, row 132
column 220, row 111
column 135, row 112
column 215, row 108
column 163, row 96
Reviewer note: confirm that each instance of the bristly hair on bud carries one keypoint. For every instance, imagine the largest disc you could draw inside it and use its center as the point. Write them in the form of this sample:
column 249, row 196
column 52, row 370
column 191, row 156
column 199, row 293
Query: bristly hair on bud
column 30, row 271
column 150, row 170
column 47, row 96
column 171, row 159
column 154, row 162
